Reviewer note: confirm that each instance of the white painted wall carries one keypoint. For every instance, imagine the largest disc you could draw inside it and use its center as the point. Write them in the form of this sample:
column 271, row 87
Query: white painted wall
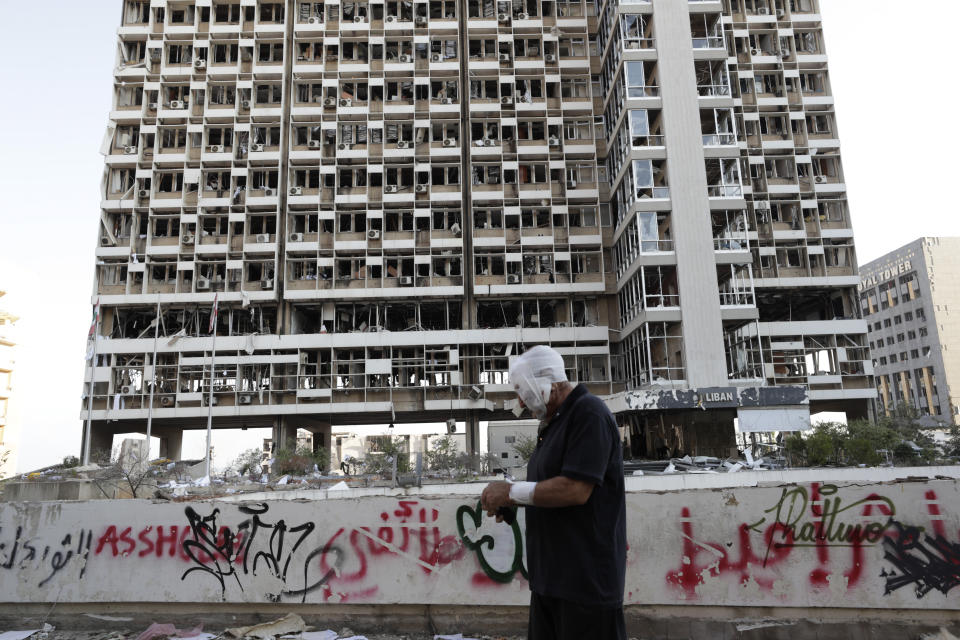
column 726, row 546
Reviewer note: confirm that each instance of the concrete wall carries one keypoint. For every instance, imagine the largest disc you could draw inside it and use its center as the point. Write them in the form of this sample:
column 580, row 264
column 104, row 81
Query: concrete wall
column 837, row 546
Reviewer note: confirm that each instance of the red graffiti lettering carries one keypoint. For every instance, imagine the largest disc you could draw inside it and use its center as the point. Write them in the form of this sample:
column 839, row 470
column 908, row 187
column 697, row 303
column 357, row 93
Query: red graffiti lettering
column 111, row 538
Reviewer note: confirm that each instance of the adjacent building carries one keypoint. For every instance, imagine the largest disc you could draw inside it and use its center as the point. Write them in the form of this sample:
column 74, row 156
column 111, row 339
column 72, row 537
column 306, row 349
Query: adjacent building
column 389, row 200
column 910, row 298
column 8, row 343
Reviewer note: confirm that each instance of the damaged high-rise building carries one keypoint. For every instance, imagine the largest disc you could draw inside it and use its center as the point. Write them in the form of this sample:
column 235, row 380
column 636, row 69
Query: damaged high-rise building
column 389, row 199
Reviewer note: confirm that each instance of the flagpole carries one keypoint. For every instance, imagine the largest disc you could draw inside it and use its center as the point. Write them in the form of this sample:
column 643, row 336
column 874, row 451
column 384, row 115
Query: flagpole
column 153, row 382
column 93, row 364
column 213, row 356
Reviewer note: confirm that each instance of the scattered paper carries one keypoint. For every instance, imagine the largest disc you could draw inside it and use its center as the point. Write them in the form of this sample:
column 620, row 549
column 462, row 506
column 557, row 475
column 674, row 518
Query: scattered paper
column 638, row 472
column 455, row 636
column 340, row 486
column 17, row 635
column 319, row 635
column 202, row 482
column 291, row 623
column 108, row 618
column 283, row 480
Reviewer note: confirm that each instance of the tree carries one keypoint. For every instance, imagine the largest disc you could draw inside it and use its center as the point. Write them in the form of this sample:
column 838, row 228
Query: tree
column 820, row 446
column 300, row 461
column 247, row 463
column 443, row 455
column 129, row 473
column 382, row 461
column 523, row 446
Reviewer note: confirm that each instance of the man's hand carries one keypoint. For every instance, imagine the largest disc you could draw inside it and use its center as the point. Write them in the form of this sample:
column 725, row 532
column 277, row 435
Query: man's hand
column 496, row 495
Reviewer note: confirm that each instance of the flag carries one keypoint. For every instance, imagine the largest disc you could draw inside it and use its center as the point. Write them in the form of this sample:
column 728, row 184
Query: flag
column 95, row 321
column 213, row 315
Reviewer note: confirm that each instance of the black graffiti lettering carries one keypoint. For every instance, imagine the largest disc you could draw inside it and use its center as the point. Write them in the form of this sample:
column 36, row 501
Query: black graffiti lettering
column 62, row 557
column 224, row 553
column 926, row 562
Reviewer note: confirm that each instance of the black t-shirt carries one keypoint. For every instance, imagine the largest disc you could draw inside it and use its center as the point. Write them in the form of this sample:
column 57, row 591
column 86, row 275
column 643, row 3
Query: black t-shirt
column 579, row 553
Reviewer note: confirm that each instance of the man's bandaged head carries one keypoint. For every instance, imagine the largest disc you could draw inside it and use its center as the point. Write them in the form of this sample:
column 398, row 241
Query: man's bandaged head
column 532, row 374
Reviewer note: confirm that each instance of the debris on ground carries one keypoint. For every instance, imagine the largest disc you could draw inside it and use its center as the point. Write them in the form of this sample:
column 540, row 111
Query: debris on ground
column 290, row 623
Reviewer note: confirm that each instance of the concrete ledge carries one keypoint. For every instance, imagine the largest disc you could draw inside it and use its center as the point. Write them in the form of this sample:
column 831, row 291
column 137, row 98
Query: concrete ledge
column 643, row 622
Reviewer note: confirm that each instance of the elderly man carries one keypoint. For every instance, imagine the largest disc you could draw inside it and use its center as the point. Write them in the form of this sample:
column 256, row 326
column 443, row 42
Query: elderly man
column 575, row 506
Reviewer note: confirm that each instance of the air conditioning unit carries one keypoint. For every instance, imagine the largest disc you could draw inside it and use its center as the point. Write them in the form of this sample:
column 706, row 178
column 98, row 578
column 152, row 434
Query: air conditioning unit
column 421, row 188
column 129, row 149
column 269, row 193
column 754, row 52
column 522, row 16
column 435, row 57
column 257, row 148
column 403, row 144
column 762, row 10
column 535, row 319
column 406, row 281
column 358, row 19
column 343, row 146
column 177, row 104
column 513, row 278
column 406, row 58
column 820, row 179
column 263, row 237
column 523, row 99
column 451, row 425
column 188, row 238
column 296, row 237
column 572, row 184
column 152, row 106
column 506, row 100
column 550, row 57
column 421, row 21
column 266, row 283
column 475, row 393
column 346, row 102
column 329, row 102
column 487, row 142
column 246, row 398
column 244, row 104
column 447, row 101
column 207, row 400
column 127, row 390
column 203, row 284
column 390, row 188
column 200, row 63
column 313, row 20
column 144, row 193
column 296, row 191
column 455, row 229
column 373, row 234
column 155, row 55
column 504, row 57
column 166, row 401
column 554, row 141
column 449, row 142
column 391, row 19
column 215, row 148
column 314, row 144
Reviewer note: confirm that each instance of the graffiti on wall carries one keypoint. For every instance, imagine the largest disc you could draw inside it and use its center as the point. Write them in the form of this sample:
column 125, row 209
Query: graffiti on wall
column 826, row 531
column 500, row 553
column 18, row 553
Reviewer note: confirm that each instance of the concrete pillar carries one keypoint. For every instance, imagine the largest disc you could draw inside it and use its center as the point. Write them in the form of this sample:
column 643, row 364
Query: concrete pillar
column 284, row 433
column 472, row 425
column 322, row 438
column 101, row 442
column 171, row 443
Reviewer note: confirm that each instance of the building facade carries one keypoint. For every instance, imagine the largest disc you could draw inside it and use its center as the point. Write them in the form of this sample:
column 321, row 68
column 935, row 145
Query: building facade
column 8, row 343
column 910, row 298
column 390, row 199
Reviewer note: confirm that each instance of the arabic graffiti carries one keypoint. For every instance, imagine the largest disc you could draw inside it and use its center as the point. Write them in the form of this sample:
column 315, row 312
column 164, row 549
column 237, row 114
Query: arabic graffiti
column 499, row 563
column 820, row 519
column 24, row 553
column 923, row 561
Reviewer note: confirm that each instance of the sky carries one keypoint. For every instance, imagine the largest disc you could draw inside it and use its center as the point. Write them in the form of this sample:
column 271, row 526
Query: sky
column 893, row 103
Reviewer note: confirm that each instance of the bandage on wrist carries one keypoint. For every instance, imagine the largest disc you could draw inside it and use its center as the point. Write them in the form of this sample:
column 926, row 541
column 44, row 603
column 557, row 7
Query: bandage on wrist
column 522, row 492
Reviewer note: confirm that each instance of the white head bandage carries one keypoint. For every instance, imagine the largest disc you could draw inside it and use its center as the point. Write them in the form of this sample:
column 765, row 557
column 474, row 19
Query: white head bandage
column 532, row 374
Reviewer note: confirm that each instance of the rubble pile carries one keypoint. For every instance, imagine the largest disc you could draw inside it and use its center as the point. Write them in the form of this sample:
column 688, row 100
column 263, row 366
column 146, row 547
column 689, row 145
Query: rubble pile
column 700, row 464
